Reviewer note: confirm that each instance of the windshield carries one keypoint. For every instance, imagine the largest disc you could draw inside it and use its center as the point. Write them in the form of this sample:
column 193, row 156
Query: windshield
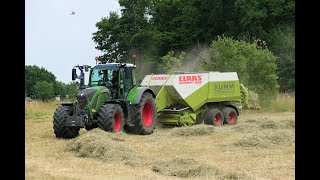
column 100, row 77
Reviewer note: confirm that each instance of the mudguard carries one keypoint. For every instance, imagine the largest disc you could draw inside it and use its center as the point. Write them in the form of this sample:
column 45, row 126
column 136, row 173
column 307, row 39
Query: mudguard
column 136, row 93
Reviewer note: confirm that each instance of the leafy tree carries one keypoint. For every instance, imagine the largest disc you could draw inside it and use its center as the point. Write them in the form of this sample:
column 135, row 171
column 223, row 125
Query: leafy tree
column 44, row 90
column 153, row 28
column 72, row 90
column 172, row 63
column 34, row 74
column 59, row 88
column 108, row 37
column 115, row 35
column 256, row 67
column 283, row 46
column 258, row 18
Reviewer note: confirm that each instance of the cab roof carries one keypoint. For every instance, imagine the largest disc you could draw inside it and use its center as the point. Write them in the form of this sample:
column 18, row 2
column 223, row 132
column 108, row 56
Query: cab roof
column 113, row 65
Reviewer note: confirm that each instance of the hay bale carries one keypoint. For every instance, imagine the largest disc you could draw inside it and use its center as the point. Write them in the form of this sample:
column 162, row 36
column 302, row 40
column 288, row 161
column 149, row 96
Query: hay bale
column 253, row 99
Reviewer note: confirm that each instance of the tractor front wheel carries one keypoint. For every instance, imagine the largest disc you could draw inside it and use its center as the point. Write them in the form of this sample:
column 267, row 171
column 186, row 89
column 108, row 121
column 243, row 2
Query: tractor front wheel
column 110, row 118
column 59, row 118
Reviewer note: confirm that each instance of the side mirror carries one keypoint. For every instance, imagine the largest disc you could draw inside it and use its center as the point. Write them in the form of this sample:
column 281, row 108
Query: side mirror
column 74, row 74
column 86, row 68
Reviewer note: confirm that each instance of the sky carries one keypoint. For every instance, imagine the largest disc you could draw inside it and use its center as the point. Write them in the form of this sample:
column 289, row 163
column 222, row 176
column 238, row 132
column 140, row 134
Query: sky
column 57, row 40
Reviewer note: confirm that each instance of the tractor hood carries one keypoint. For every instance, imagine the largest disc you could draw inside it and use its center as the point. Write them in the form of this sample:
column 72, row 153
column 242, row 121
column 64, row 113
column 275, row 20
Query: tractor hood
column 87, row 95
column 84, row 96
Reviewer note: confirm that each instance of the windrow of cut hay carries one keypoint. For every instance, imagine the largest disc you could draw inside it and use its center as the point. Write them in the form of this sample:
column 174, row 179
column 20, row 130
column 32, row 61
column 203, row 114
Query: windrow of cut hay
column 196, row 130
column 105, row 146
column 113, row 148
column 189, row 168
column 267, row 139
column 255, row 125
column 266, row 133
column 262, row 132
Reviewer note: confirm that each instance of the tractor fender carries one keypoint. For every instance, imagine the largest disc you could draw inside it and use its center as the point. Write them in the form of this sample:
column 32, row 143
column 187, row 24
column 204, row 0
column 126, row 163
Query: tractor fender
column 136, row 93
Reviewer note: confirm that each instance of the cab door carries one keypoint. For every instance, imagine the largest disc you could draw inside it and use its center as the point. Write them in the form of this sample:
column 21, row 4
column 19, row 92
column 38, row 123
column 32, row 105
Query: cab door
column 126, row 81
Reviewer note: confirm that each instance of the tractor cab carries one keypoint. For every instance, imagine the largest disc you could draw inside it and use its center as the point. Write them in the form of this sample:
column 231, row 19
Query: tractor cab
column 119, row 78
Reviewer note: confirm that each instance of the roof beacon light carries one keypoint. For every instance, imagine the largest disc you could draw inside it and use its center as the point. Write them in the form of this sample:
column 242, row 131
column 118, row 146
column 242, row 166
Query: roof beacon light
column 134, row 58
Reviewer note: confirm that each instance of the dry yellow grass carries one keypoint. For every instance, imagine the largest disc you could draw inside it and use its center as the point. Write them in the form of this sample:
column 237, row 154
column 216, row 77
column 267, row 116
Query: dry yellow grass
column 260, row 146
column 283, row 103
column 39, row 109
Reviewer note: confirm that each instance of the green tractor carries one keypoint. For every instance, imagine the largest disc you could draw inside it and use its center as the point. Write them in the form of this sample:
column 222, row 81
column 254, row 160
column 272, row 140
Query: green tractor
column 111, row 101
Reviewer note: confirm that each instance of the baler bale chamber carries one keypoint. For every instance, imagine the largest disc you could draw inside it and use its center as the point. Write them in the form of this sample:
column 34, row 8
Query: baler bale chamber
column 184, row 98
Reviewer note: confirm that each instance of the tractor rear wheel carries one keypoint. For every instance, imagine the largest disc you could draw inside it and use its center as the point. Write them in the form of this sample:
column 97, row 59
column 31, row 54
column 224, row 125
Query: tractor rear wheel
column 145, row 116
column 110, row 118
column 230, row 115
column 213, row 117
column 59, row 118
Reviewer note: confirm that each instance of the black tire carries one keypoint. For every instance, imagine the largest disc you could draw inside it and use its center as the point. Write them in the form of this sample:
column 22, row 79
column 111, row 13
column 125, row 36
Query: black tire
column 90, row 126
column 213, row 117
column 199, row 118
column 145, row 116
column 230, row 115
column 59, row 118
column 110, row 118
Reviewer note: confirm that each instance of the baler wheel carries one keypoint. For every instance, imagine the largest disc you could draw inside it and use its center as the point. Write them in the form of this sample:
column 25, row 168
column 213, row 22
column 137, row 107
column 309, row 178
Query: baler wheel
column 145, row 116
column 59, row 119
column 213, row 117
column 110, row 118
column 230, row 115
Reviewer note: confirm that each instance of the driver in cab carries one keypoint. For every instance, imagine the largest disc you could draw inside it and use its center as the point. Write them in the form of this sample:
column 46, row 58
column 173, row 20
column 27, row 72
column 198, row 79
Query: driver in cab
column 114, row 81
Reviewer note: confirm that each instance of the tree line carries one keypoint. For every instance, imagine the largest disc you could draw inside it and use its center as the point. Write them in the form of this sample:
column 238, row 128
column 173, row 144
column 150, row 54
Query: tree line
column 42, row 84
column 158, row 29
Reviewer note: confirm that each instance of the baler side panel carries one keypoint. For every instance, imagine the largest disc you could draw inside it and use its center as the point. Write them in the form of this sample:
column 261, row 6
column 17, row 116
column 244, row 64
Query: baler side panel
column 224, row 87
column 224, row 91
column 163, row 99
column 198, row 98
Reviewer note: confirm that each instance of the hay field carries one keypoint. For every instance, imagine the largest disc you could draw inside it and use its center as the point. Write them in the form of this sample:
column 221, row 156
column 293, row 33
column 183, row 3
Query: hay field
column 260, row 146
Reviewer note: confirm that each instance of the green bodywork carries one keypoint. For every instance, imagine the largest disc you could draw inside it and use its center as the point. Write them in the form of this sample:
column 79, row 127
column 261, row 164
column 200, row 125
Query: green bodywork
column 125, row 90
column 186, row 118
column 217, row 94
column 98, row 99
